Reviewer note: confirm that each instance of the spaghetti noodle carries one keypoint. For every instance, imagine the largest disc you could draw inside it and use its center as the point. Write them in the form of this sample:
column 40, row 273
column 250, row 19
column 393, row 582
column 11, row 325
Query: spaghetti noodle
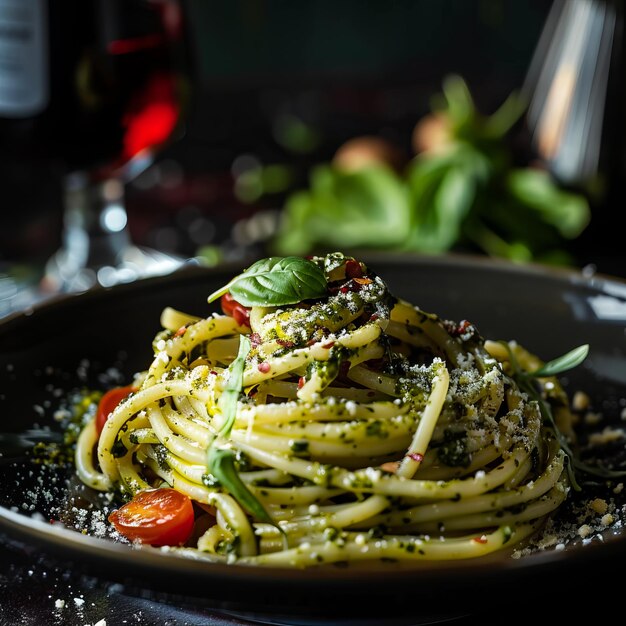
column 361, row 428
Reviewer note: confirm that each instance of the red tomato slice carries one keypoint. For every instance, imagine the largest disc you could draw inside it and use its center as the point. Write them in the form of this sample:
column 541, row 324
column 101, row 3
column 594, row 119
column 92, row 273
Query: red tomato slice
column 232, row 308
column 227, row 302
column 159, row 517
column 109, row 401
column 241, row 315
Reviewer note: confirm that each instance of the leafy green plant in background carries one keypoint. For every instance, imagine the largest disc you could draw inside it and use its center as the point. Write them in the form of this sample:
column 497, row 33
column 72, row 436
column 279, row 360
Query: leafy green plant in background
column 462, row 191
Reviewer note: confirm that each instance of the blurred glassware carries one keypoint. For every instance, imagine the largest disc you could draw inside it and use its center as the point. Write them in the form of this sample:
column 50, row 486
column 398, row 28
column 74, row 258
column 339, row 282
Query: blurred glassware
column 570, row 87
column 98, row 87
column 18, row 288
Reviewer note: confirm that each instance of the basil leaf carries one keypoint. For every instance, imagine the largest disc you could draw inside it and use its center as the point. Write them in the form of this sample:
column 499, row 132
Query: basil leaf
column 367, row 208
column 276, row 281
column 563, row 363
column 234, row 384
column 499, row 123
column 221, row 463
column 458, row 100
column 569, row 213
column 442, row 196
column 294, row 237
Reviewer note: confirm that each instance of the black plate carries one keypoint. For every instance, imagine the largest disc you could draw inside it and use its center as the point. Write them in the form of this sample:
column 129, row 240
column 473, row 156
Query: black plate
column 75, row 339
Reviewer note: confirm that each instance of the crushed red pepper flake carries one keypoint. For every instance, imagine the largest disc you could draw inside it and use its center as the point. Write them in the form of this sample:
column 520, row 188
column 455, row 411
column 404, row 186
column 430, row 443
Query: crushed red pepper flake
column 353, row 269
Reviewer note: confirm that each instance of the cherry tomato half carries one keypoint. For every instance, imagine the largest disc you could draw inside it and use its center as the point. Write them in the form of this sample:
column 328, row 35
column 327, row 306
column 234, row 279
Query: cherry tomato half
column 159, row 517
column 231, row 307
column 109, row 401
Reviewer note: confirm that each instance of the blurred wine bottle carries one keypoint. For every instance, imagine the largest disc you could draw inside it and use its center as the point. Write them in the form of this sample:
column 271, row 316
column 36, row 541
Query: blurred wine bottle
column 90, row 90
column 76, row 77
column 577, row 113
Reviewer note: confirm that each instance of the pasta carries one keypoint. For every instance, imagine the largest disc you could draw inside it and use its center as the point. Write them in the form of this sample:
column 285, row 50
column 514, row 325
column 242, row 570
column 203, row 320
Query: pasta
column 363, row 428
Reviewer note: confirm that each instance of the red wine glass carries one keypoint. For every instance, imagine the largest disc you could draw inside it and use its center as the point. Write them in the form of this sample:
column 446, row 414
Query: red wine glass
column 99, row 88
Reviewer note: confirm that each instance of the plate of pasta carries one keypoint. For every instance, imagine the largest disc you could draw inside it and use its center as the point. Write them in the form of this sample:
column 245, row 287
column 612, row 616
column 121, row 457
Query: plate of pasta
column 322, row 439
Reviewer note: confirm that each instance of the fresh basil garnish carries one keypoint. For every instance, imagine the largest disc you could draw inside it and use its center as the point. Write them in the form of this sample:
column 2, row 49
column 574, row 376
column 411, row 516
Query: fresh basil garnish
column 221, row 462
column 563, row 363
column 276, row 281
column 234, row 385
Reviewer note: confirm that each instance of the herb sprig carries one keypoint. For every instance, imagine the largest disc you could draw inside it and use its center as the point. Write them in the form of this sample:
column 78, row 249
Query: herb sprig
column 221, row 458
column 276, row 281
column 526, row 383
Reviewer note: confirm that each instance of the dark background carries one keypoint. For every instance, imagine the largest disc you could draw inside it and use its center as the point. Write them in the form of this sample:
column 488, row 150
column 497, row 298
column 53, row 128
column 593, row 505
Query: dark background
column 338, row 69
column 280, row 82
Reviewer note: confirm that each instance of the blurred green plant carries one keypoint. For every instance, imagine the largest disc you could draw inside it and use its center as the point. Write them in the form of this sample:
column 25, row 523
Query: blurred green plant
column 461, row 191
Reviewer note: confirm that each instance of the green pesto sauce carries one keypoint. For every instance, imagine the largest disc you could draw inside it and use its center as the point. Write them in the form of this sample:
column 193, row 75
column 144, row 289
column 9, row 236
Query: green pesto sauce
column 376, row 429
column 80, row 408
column 453, row 451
